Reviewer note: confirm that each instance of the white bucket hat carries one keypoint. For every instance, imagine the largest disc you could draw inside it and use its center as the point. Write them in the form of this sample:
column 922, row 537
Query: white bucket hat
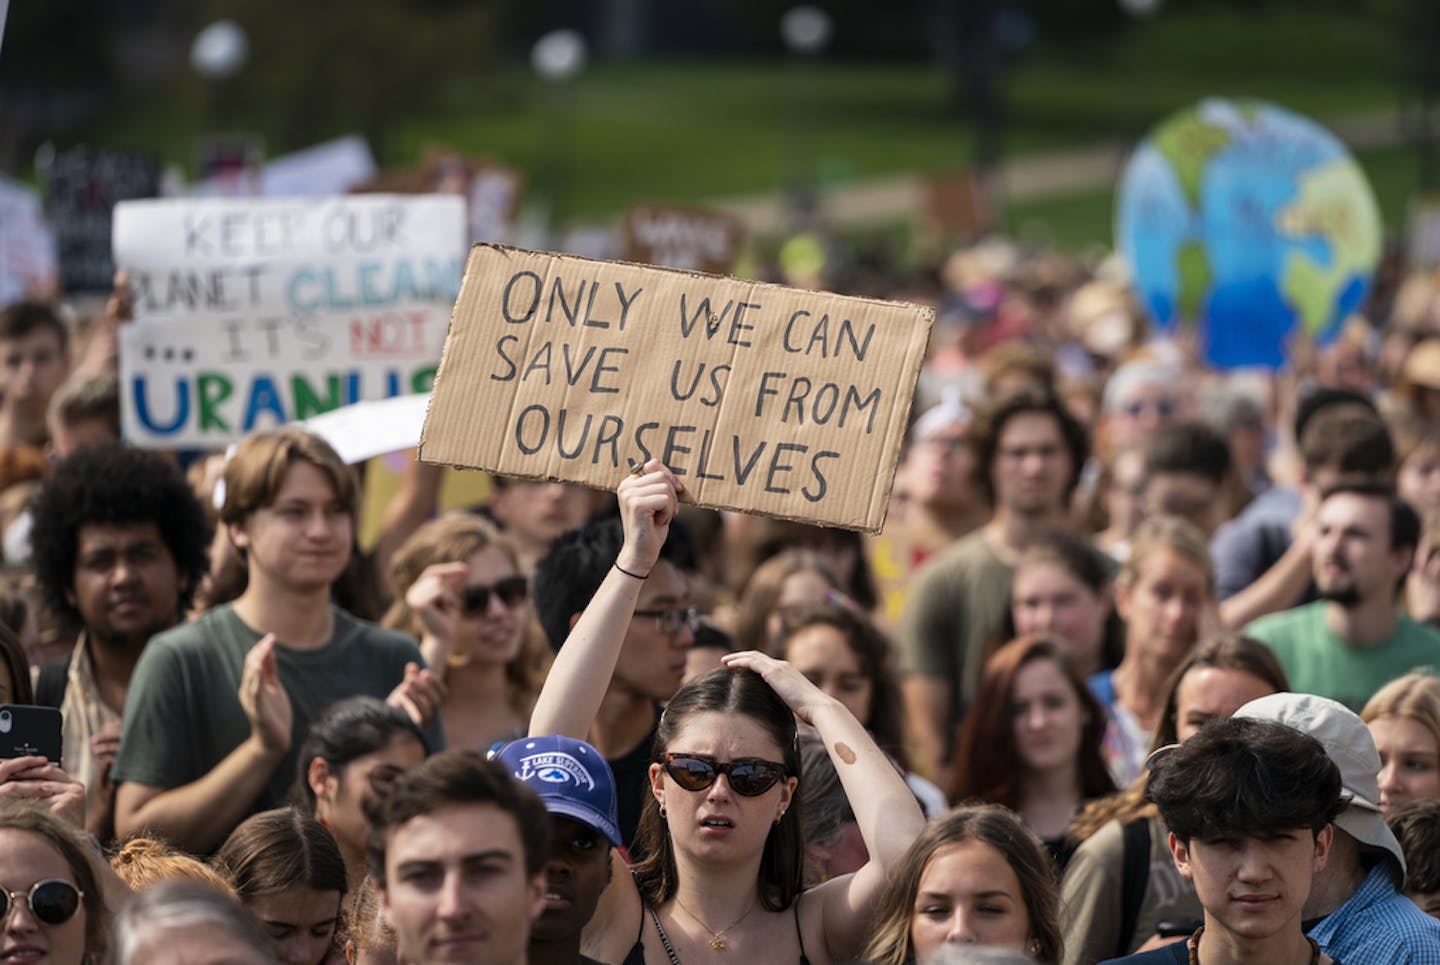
column 1347, row 741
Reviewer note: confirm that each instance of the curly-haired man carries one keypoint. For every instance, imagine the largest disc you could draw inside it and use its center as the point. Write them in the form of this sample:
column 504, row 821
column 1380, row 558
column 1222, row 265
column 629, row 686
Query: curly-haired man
column 119, row 546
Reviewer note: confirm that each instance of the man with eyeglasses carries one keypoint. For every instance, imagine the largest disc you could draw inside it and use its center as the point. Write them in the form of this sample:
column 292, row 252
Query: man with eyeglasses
column 652, row 659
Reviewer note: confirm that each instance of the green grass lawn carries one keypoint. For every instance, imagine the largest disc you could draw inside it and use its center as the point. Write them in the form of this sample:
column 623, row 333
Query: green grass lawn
column 696, row 130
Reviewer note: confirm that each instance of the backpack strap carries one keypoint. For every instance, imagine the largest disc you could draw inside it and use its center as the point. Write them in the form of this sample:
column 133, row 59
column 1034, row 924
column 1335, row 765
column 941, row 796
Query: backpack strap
column 1134, row 875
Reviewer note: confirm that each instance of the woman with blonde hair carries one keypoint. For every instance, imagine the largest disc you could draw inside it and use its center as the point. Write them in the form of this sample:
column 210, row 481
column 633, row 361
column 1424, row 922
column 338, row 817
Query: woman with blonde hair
column 1165, row 593
column 1404, row 720
column 461, row 593
column 932, row 900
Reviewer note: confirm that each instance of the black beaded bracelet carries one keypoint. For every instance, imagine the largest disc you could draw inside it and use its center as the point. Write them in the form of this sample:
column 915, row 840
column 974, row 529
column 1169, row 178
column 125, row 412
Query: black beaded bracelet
column 633, row 576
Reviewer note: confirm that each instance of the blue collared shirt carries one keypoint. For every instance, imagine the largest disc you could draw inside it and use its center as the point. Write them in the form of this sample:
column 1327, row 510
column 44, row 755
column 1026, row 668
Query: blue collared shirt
column 1379, row 926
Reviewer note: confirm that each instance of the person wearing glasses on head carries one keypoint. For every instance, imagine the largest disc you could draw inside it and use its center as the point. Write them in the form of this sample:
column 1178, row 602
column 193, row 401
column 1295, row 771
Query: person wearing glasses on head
column 720, row 827
column 460, row 591
column 51, row 906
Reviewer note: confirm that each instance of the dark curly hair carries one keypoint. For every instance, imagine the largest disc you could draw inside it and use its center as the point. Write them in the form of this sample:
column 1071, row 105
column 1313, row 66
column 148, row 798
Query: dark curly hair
column 1243, row 776
column 114, row 485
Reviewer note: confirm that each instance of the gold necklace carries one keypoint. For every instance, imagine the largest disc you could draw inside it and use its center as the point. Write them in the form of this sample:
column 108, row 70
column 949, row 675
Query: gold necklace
column 717, row 938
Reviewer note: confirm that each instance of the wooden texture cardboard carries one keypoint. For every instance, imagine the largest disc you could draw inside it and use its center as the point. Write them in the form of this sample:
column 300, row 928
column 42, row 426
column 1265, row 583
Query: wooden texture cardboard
column 763, row 399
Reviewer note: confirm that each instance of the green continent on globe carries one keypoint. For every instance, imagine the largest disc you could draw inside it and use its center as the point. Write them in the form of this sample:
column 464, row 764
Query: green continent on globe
column 1331, row 205
column 1193, row 265
column 1189, row 144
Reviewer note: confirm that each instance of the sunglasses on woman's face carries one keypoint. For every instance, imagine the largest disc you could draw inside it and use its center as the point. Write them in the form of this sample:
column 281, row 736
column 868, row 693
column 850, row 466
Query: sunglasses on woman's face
column 51, row 901
column 475, row 600
column 748, row 776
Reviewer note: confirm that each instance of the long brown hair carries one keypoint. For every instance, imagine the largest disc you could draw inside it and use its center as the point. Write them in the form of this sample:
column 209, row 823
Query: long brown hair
column 735, row 692
column 872, row 649
column 275, row 850
column 1002, row 830
column 455, row 537
column 1228, row 651
column 763, row 590
column 986, row 760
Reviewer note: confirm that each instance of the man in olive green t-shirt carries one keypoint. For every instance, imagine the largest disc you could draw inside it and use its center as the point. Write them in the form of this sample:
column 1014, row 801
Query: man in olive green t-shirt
column 1028, row 451
column 215, row 707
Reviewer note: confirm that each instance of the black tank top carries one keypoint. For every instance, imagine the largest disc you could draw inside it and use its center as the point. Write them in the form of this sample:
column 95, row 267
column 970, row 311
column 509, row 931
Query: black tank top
column 636, row 956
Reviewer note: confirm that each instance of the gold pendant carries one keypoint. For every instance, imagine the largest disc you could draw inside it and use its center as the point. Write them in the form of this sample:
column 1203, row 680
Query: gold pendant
column 717, row 943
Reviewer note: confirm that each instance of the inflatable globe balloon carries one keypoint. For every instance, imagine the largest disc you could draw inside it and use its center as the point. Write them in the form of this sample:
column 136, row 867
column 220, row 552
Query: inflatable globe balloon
column 1249, row 223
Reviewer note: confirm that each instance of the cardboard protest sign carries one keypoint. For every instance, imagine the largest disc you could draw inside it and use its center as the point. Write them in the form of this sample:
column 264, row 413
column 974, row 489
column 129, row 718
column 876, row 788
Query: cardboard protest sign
column 956, row 206
column 761, row 398
column 252, row 313
column 82, row 187
column 693, row 239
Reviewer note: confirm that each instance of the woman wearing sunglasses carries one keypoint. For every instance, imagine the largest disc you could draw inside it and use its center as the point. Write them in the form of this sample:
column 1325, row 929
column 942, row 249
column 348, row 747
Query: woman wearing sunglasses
column 460, row 592
column 51, row 906
column 721, row 876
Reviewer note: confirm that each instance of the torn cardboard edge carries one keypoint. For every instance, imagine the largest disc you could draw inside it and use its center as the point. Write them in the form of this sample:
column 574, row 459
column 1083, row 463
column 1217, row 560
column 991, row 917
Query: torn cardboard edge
column 733, row 383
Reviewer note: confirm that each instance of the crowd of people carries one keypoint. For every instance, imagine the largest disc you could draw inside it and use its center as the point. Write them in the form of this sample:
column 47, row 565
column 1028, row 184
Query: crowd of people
column 1142, row 668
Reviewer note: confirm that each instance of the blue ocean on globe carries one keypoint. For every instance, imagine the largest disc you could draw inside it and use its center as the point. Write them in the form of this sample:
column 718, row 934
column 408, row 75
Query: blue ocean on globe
column 1250, row 223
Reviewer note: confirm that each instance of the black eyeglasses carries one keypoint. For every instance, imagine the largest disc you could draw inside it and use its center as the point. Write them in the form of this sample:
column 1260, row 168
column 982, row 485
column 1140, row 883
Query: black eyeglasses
column 52, row 901
column 749, row 776
column 476, row 599
column 669, row 622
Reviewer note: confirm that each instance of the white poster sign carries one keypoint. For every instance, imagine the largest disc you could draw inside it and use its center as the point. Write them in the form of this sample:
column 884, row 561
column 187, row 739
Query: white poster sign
column 27, row 245
column 258, row 312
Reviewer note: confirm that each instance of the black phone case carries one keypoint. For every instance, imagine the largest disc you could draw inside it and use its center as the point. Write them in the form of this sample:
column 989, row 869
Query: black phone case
column 27, row 731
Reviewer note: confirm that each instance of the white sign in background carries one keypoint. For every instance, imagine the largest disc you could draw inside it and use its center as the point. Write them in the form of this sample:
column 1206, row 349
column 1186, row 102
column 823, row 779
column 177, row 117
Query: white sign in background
column 257, row 312
column 27, row 245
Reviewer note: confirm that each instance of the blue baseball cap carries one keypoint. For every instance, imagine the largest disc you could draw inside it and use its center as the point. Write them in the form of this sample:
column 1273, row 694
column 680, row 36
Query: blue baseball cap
column 571, row 777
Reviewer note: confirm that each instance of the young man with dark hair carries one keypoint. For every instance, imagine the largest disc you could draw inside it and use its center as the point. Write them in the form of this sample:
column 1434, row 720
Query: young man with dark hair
column 1417, row 827
column 119, row 547
column 576, row 786
column 33, row 363
column 220, row 706
column 1028, row 452
column 652, row 659
column 458, row 851
column 1353, row 640
column 1249, row 805
column 1187, row 469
